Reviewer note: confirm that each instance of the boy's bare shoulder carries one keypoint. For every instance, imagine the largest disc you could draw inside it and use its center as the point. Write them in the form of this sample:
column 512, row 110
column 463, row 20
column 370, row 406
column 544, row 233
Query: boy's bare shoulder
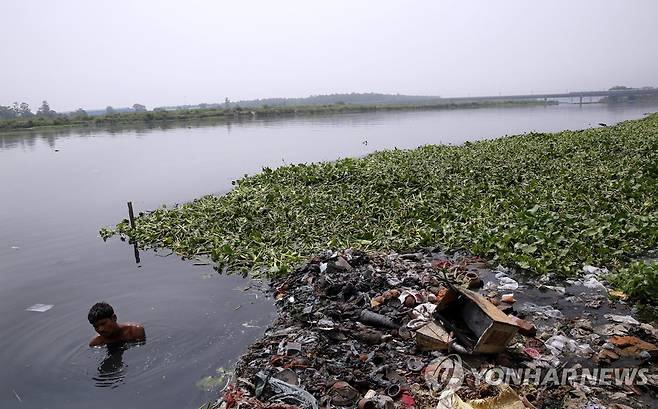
column 136, row 331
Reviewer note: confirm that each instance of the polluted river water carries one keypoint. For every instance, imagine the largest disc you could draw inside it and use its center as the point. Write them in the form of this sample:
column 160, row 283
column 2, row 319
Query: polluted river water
column 61, row 186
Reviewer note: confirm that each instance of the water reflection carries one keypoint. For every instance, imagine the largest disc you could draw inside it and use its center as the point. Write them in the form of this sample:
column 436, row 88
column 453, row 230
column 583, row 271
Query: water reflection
column 27, row 138
column 136, row 251
column 111, row 370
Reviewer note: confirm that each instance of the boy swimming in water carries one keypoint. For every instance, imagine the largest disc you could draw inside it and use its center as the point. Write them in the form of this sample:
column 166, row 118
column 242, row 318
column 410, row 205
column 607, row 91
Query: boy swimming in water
column 104, row 320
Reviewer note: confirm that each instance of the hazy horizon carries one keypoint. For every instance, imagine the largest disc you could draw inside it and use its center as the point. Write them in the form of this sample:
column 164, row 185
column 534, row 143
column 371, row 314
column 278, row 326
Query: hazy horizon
column 81, row 54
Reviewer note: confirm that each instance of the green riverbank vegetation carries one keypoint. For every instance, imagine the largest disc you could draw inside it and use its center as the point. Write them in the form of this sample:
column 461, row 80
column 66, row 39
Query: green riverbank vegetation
column 22, row 118
column 544, row 203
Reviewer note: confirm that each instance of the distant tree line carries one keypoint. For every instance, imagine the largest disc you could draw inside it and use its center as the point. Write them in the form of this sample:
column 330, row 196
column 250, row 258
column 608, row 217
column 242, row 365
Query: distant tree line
column 114, row 117
column 20, row 116
column 354, row 98
column 22, row 110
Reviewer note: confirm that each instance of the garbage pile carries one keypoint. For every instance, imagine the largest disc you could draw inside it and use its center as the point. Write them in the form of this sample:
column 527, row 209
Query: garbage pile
column 431, row 330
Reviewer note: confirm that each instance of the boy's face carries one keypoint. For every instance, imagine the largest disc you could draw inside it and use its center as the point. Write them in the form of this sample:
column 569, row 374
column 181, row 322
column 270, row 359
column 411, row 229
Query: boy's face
column 106, row 327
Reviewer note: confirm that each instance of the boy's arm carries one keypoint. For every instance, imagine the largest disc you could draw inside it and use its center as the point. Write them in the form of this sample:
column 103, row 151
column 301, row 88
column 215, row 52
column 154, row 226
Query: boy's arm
column 97, row 341
column 140, row 334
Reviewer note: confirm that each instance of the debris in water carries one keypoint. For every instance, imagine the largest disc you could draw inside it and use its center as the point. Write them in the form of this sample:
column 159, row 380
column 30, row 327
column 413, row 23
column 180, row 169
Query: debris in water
column 624, row 319
column 476, row 322
column 507, row 284
column 399, row 331
column 432, row 337
column 39, row 307
column 214, row 382
column 618, row 294
column 17, row 396
column 633, row 347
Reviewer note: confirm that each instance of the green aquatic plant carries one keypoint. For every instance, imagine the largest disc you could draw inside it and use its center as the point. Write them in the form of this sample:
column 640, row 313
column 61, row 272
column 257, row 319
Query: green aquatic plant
column 219, row 381
column 547, row 203
column 639, row 280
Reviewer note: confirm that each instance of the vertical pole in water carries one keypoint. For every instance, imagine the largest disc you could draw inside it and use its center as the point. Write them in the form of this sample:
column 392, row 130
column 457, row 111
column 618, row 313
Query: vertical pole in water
column 131, row 216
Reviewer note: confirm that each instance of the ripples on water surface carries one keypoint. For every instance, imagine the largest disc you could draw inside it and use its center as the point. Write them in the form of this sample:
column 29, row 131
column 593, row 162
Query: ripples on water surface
column 60, row 187
column 111, row 367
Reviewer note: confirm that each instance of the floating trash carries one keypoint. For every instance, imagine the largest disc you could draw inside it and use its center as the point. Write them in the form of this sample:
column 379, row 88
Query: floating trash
column 382, row 330
column 624, row 319
column 39, row 307
column 507, row 284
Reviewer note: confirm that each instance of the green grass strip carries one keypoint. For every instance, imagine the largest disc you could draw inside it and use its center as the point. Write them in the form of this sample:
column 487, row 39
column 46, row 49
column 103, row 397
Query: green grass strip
column 547, row 203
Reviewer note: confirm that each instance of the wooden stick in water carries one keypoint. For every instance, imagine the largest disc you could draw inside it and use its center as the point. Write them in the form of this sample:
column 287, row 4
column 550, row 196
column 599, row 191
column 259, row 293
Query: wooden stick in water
column 131, row 215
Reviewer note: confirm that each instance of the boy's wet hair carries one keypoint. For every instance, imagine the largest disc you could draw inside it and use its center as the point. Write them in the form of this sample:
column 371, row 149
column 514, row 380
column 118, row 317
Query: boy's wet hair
column 99, row 311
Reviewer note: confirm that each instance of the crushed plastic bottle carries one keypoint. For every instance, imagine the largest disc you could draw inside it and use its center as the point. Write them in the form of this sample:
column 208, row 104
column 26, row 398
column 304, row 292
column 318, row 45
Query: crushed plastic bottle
column 546, row 310
column 558, row 344
column 507, row 284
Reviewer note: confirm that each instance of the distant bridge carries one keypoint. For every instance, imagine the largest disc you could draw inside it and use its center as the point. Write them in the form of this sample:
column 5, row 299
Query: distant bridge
column 576, row 94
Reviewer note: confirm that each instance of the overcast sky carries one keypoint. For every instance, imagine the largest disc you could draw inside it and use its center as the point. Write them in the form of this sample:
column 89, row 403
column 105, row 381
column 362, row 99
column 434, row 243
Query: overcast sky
column 81, row 53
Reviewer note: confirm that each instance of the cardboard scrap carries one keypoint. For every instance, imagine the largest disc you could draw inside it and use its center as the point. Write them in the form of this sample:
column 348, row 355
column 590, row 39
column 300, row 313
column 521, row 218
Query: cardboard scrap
column 432, row 337
column 478, row 324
